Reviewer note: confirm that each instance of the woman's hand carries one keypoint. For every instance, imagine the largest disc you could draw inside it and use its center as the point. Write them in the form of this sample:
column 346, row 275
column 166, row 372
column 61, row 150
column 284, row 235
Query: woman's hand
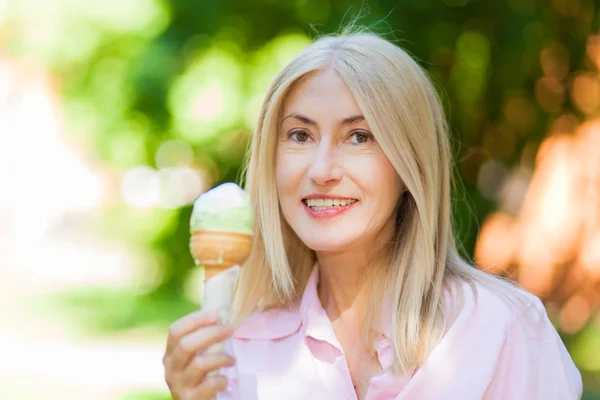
column 187, row 367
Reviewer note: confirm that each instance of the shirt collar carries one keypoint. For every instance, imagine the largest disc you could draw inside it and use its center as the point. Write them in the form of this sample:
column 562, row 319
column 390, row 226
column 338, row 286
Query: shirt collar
column 310, row 315
column 315, row 321
column 278, row 323
column 318, row 326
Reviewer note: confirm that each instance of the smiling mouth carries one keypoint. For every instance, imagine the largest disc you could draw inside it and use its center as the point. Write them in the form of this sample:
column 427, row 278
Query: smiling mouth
column 326, row 204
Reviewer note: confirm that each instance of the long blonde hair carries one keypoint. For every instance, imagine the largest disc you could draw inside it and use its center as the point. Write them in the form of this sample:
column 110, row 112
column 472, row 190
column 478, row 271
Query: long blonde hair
column 405, row 115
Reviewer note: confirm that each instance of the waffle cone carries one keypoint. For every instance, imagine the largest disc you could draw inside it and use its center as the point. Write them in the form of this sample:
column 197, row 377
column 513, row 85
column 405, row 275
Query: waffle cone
column 218, row 250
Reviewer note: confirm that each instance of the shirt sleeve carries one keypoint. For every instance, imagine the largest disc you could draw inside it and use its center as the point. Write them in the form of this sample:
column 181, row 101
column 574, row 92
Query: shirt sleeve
column 534, row 363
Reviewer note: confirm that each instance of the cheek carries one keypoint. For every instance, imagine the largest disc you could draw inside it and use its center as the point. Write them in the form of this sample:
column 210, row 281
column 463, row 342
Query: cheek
column 391, row 187
column 379, row 180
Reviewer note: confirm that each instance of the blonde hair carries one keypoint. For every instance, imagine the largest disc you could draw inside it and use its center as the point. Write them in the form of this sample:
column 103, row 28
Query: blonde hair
column 405, row 115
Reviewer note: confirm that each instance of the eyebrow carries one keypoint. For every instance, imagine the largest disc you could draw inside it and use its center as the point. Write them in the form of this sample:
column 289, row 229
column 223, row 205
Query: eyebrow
column 346, row 121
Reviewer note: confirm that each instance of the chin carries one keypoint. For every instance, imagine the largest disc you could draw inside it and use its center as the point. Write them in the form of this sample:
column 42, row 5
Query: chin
column 325, row 244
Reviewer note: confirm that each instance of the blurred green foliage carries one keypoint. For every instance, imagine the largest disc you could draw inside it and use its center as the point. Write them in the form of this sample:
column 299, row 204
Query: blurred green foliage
column 135, row 74
column 146, row 395
column 98, row 311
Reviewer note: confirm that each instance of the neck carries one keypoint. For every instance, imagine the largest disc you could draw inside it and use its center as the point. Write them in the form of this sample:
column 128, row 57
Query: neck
column 341, row 286
column 343, row 281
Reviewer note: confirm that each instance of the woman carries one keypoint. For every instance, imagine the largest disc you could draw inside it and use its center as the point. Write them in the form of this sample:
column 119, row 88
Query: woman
column 354, row 288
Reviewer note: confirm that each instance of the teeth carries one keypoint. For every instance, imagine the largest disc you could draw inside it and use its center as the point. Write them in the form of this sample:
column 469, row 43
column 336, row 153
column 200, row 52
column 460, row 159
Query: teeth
column 321, row 204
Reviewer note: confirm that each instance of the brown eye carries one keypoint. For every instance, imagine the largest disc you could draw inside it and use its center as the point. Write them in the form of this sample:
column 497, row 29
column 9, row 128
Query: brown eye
column 300, row 136
column 360, row 137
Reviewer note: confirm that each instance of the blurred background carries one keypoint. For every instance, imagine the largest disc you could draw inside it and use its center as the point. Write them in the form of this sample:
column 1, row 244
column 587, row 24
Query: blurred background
column 115, row 115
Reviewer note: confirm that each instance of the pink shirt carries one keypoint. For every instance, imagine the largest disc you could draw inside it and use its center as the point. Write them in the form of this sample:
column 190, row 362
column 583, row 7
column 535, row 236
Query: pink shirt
column 489, row 352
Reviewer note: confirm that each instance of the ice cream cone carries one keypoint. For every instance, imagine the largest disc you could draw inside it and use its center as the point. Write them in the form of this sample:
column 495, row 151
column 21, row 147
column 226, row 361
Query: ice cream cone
column 218, row 250
column 220, row 241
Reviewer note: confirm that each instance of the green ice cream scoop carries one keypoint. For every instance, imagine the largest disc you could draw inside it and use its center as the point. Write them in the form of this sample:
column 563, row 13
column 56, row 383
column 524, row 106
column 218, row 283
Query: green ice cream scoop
column 224, row 208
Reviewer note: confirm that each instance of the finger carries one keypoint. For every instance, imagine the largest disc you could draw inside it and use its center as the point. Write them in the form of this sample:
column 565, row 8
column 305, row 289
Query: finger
column 188, row 324
column 202, row 365
column 209, row 388
column 195, row 342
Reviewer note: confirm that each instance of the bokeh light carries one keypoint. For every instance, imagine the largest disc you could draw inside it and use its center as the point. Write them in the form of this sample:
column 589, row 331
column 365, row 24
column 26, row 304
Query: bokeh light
column 585, row 92
column 141, row 187
column 554, row 61
column 550, row 93
column 174, row 153
column 266, row 62
column 207, row 98
column 170, row 187
column 554, row 239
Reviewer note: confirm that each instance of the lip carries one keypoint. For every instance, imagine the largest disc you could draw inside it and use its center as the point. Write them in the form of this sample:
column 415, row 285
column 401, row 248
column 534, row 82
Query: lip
column 329, row 213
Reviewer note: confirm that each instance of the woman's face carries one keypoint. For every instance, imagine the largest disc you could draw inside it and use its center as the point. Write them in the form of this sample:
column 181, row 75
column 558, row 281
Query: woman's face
column 337, row 190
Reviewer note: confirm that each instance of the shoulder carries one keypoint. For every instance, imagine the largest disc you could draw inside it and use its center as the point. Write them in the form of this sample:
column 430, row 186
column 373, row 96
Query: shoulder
column 512, row 330
column 493, row 303
column 502, row 333
column 276, row 323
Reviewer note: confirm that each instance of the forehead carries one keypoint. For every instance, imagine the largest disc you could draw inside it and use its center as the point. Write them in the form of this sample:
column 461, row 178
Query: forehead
column 322, row 93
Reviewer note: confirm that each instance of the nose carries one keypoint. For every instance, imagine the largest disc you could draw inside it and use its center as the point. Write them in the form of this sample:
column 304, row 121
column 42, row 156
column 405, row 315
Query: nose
column 324, row 168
